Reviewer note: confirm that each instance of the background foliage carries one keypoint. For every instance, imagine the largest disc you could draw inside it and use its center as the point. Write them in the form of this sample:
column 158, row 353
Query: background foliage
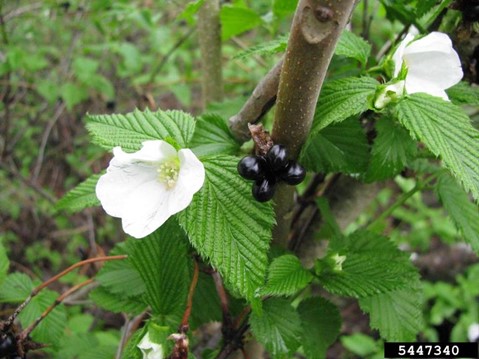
column 67, row 66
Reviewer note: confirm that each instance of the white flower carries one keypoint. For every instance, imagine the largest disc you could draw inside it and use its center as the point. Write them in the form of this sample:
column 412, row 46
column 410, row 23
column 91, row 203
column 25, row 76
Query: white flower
column 389, row 93
column 473, row 332
column 149, row 349
column 145, row 188
column 431, row 62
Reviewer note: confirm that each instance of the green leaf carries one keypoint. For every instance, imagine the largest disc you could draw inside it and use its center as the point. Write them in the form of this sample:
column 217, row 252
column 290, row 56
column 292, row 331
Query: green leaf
column 353, row 46
column 212, row 136
column 463, row 94
column 162, row 262
column 278, row 327
column 114, row 274
column 130, row 130
column 360, row 344
column 16, row 288
column 267, row 48
column 364, row 264
column 50, row 330
column 226, row 225
column 340, row 147
column 81, row 196
column 321, row 322
column 341, row 99
column 447, row 132
column 397, row 314
column 463, row 213
column 4, row 263
column 392, row 149
column 115, row 303
column 235, row 20
column 73, row 94
column 206, row 303
column 188, row 14
column 282, row 8
column 286, row 276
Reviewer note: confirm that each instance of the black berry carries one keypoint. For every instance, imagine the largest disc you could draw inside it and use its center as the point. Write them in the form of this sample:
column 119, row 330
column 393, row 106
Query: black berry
column 263, row 190
column 252, row 167
column 7, row 346
column 277, row 158
column 294, row 174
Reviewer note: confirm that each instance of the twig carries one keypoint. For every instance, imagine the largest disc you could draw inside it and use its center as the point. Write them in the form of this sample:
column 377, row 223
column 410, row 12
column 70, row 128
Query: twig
column 209, row 36
column 157, row 69
column 25, row 333
column 22, row 10
column 43, row 144
column 317, row 25
column 184, row 326
column 257, row 105
column 45, row 284
column 8, row 88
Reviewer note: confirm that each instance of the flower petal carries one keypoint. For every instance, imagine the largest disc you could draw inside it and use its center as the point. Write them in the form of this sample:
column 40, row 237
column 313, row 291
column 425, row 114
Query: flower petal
column 399, row 53
column 190, row 180
column 151, row 151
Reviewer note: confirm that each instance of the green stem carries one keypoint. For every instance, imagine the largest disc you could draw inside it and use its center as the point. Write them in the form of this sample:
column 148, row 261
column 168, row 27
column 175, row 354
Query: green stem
column 375, row 225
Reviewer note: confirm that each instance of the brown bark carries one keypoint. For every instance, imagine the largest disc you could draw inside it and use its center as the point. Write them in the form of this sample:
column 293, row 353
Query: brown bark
column 209, row 36
column 316, row 28
column 257, row 105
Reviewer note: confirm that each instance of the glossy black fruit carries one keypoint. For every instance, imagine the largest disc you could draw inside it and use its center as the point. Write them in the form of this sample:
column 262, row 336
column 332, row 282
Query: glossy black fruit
column 294, row 174
column 252, row 167
column 277, row 158
column 263, row 190
column 7, row 347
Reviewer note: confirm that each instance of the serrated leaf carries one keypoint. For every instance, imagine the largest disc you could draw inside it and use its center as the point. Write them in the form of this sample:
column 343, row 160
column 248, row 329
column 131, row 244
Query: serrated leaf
column 321, row 322
column 463, row 213
column 340, row 147
column 4, row 263
column 16, row 288
column 266, row 48
column 81, row 196
column 206, row 303
column 114, row 274
column 447, row 132
column 131, row 129
column 366, row 264
column 235, row 20
column 212, row 136
column 226, row 225
column 353, row 46
column 286, row 276
column 341, row 99
column 115, row 303
column 463, row 94
column 397, row 314
column 391, row 151
column 278, row 327
column 162, row 262
column 50, row 330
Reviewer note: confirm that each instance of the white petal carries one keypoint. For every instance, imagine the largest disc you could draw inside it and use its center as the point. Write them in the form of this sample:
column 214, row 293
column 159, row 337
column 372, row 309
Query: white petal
column 414, row 85
column 151, row 151
column 398, row 54
column 147, row 209
column 435, row 41
column 190, row 180
column 438, row 68
column 121, row 180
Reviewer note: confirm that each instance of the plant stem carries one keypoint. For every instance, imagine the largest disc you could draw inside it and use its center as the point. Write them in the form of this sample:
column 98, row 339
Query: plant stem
column 375, row 225
column 316, row 28
column 209, row 35
column 189, row 301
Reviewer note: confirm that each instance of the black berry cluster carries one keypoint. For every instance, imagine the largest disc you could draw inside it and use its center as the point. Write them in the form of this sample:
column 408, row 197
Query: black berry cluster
column 8, row 348
column 267, row 171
